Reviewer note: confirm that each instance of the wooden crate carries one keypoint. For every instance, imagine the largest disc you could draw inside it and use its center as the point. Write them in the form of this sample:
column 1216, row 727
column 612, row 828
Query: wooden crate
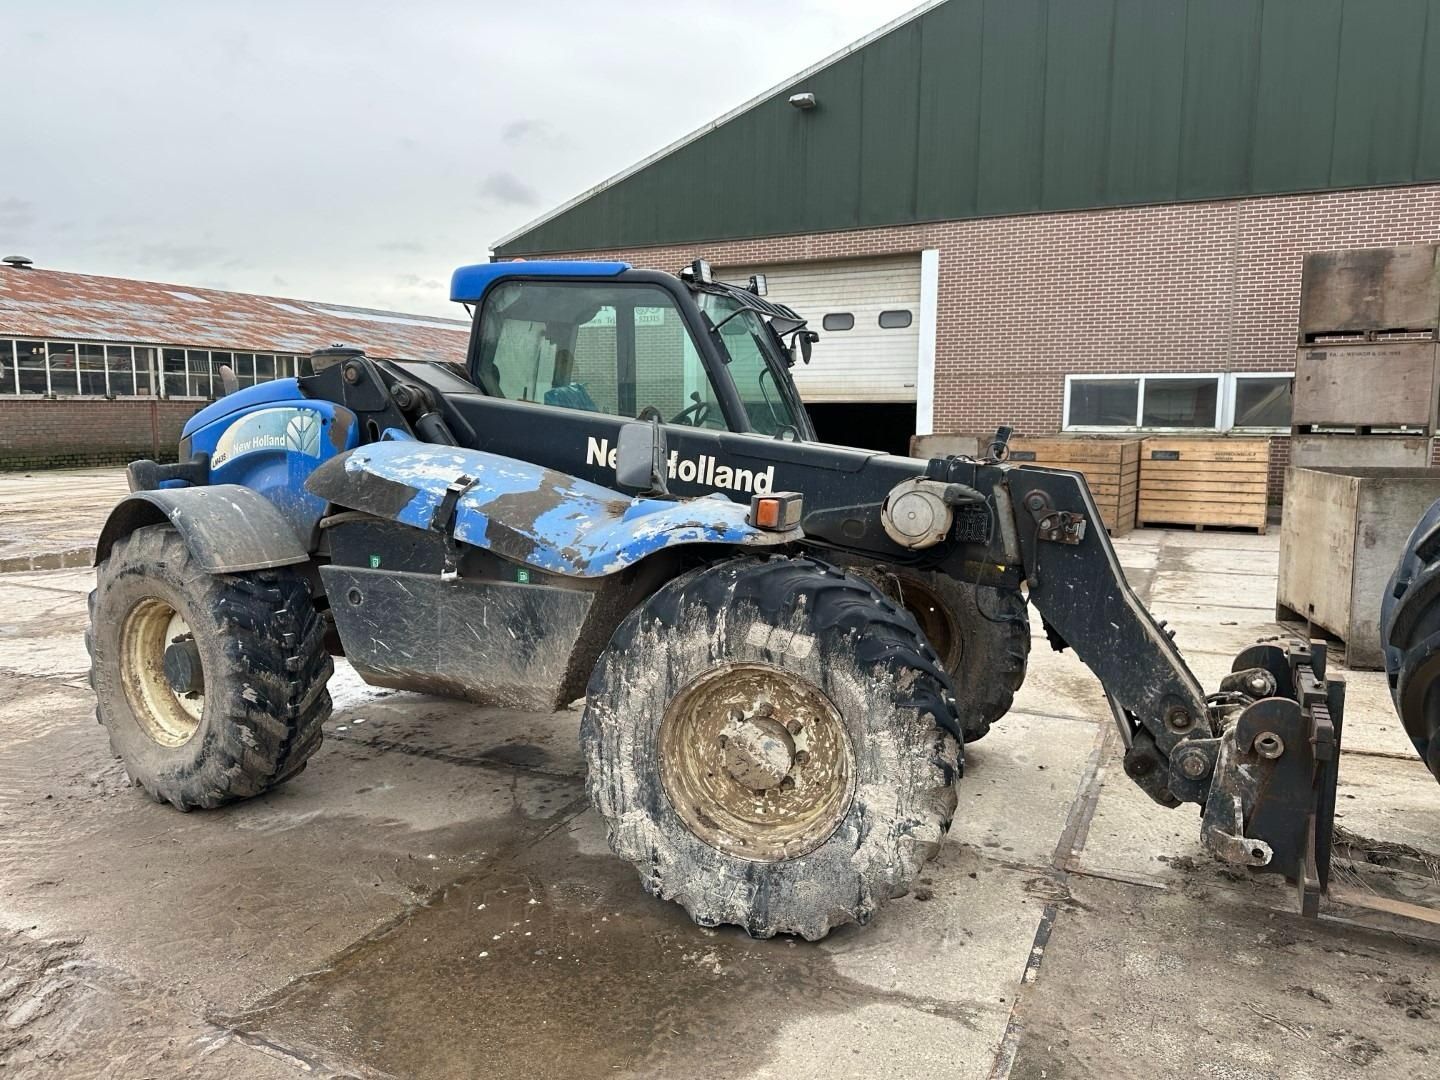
column 1111, row 468
column 1340, row 537
column 1215, row 481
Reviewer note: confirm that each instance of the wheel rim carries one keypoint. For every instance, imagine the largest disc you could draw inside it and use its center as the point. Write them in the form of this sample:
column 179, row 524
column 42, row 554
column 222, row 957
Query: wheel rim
column 756, row 762
column 935, row 621
column 167, row 717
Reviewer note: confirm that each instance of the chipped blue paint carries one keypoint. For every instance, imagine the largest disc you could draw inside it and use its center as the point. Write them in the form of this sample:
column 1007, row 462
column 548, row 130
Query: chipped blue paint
column 547, row 519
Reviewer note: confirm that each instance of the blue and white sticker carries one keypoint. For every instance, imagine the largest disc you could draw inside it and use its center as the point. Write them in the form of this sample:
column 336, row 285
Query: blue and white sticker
column 295, row 431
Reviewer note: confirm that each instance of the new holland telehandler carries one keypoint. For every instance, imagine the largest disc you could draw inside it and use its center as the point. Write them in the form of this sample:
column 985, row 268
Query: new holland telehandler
column 782, row 645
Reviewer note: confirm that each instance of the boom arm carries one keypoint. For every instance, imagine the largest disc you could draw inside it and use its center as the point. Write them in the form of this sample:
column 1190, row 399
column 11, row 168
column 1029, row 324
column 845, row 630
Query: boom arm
column 1259, row 756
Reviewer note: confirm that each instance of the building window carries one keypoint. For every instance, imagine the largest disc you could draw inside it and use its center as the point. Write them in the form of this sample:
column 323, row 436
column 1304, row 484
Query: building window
column 1180, row 403
column 120, row 370
column 1092, row 402
column 145, row 371
column 1262, row 401
column 30, row 369
column 894, row 320
column 60, row 359
column 172, row 372
column 1255, row 401
column 90, row 367
column 198, row 364
column 839, row 320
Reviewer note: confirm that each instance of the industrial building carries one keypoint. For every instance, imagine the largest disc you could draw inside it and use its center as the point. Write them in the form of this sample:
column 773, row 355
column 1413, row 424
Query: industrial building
column 99, row 370
column 1077, row 215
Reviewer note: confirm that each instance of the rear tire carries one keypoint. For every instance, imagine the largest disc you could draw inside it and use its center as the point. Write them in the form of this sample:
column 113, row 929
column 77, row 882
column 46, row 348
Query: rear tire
column 256, row 645
column 772, row 744
column 1410, row 638
column 981, row 634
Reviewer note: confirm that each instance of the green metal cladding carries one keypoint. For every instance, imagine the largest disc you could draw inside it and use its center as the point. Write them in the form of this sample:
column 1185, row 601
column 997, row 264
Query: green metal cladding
column 980, row 108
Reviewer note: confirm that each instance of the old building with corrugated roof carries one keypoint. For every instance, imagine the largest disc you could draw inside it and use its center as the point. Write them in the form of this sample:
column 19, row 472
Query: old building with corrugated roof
column 98, row 369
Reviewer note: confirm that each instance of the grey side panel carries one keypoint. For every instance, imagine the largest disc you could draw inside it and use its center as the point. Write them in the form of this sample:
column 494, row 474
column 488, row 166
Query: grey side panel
column 227, row 527
column 496, row 642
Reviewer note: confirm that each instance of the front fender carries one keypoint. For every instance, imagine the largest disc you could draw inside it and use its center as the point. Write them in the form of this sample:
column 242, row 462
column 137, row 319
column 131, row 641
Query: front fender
column 541, row 517
column 228, row 528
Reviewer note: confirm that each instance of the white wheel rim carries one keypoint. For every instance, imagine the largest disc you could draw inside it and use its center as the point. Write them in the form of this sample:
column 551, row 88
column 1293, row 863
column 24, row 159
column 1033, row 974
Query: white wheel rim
column 168, row 718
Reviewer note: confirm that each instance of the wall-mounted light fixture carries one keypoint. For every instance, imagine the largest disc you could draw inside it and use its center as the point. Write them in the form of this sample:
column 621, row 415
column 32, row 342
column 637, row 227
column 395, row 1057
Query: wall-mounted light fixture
column 803, row 101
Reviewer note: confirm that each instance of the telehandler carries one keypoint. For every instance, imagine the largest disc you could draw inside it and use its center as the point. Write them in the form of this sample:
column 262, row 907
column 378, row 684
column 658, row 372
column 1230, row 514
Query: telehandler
column 782, row 645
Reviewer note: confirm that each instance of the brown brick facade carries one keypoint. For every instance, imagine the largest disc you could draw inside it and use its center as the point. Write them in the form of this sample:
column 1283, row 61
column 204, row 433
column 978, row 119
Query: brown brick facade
column 59, row 432
column 1206, row 287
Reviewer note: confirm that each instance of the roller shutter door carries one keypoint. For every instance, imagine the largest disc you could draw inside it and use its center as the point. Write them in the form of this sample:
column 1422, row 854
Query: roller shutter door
column 868, row 362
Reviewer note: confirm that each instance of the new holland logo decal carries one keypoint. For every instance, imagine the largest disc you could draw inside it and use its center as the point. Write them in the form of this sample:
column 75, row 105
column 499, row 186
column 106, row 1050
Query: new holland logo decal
column 702, row 469
column 292, row 430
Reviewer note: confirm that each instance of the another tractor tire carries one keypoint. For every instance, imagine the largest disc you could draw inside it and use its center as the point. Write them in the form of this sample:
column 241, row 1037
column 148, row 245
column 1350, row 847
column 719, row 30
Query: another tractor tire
column 772, row 744
column 981, row 634
column 211, row 686
column 1410, row 638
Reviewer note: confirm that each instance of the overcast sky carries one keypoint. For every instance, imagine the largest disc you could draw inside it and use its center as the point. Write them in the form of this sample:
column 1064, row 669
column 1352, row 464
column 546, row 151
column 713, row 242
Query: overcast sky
column 355, row 151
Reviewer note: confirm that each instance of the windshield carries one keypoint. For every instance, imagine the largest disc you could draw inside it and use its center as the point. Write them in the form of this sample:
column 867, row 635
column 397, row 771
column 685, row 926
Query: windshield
column 753, row 360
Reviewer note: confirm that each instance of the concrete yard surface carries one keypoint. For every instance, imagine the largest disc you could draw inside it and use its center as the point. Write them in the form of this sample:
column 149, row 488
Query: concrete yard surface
column 52, row 518
column 433, row 897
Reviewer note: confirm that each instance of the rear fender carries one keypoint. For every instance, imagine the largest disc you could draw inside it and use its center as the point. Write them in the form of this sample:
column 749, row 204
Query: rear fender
column 228, row 528
column 526, row 513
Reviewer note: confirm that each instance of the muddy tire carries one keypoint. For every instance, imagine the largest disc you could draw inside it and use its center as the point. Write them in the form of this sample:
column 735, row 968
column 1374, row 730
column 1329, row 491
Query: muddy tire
column 772, row 744
column 1410, row 638
column 247, row 651
column 981, row 634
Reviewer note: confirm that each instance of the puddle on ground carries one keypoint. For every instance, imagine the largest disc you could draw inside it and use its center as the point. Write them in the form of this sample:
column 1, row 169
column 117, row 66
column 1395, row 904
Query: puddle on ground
column 559, row 966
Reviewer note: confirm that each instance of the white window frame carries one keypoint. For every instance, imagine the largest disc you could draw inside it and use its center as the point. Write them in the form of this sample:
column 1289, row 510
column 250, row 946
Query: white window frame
column 1228, row 417
column 1224, row 400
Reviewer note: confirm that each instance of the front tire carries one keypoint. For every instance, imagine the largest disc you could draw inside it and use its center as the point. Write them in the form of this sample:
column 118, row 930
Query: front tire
column 211, row 686
column 981, row 634
column 772, row 744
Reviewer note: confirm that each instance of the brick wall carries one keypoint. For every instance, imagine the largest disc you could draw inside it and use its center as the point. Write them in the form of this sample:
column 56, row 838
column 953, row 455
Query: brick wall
column 50, row 433
column 1206, row 287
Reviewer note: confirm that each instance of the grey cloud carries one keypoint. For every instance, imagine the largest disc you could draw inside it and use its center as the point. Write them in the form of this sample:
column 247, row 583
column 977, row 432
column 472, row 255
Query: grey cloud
column 16, row 214
column 333, row 144
column 178, row 256
column 415, row 281
column 507, row 189
column 519, row 132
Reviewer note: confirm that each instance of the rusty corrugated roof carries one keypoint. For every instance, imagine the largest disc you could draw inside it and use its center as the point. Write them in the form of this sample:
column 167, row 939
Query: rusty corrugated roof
column 83, row 307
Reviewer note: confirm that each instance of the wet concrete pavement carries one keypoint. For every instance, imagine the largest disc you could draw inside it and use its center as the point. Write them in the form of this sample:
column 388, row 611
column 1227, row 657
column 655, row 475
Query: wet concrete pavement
column 432, row 897
column 51, row 518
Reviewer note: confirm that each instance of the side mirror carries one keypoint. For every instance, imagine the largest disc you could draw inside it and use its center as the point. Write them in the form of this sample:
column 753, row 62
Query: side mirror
column 801, row 349
column 641, row 458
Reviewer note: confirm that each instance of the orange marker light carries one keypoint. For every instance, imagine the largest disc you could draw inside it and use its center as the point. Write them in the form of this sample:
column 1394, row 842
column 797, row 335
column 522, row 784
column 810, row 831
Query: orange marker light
column 778, row 512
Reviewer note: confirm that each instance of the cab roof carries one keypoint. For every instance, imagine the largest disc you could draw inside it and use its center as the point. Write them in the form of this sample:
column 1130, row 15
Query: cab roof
column 468, row 284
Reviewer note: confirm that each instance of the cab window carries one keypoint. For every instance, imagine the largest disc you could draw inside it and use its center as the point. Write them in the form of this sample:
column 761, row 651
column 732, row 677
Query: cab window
column 605, row 348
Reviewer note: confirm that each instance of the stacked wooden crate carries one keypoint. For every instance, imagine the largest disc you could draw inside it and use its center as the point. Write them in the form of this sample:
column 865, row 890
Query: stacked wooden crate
column 1111, row 469
column 1199, row 482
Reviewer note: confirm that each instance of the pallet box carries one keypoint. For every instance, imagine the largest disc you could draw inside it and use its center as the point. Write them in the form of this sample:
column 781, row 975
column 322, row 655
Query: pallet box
column 1340, row 538
column 1200, row 482
column 1110, row 466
